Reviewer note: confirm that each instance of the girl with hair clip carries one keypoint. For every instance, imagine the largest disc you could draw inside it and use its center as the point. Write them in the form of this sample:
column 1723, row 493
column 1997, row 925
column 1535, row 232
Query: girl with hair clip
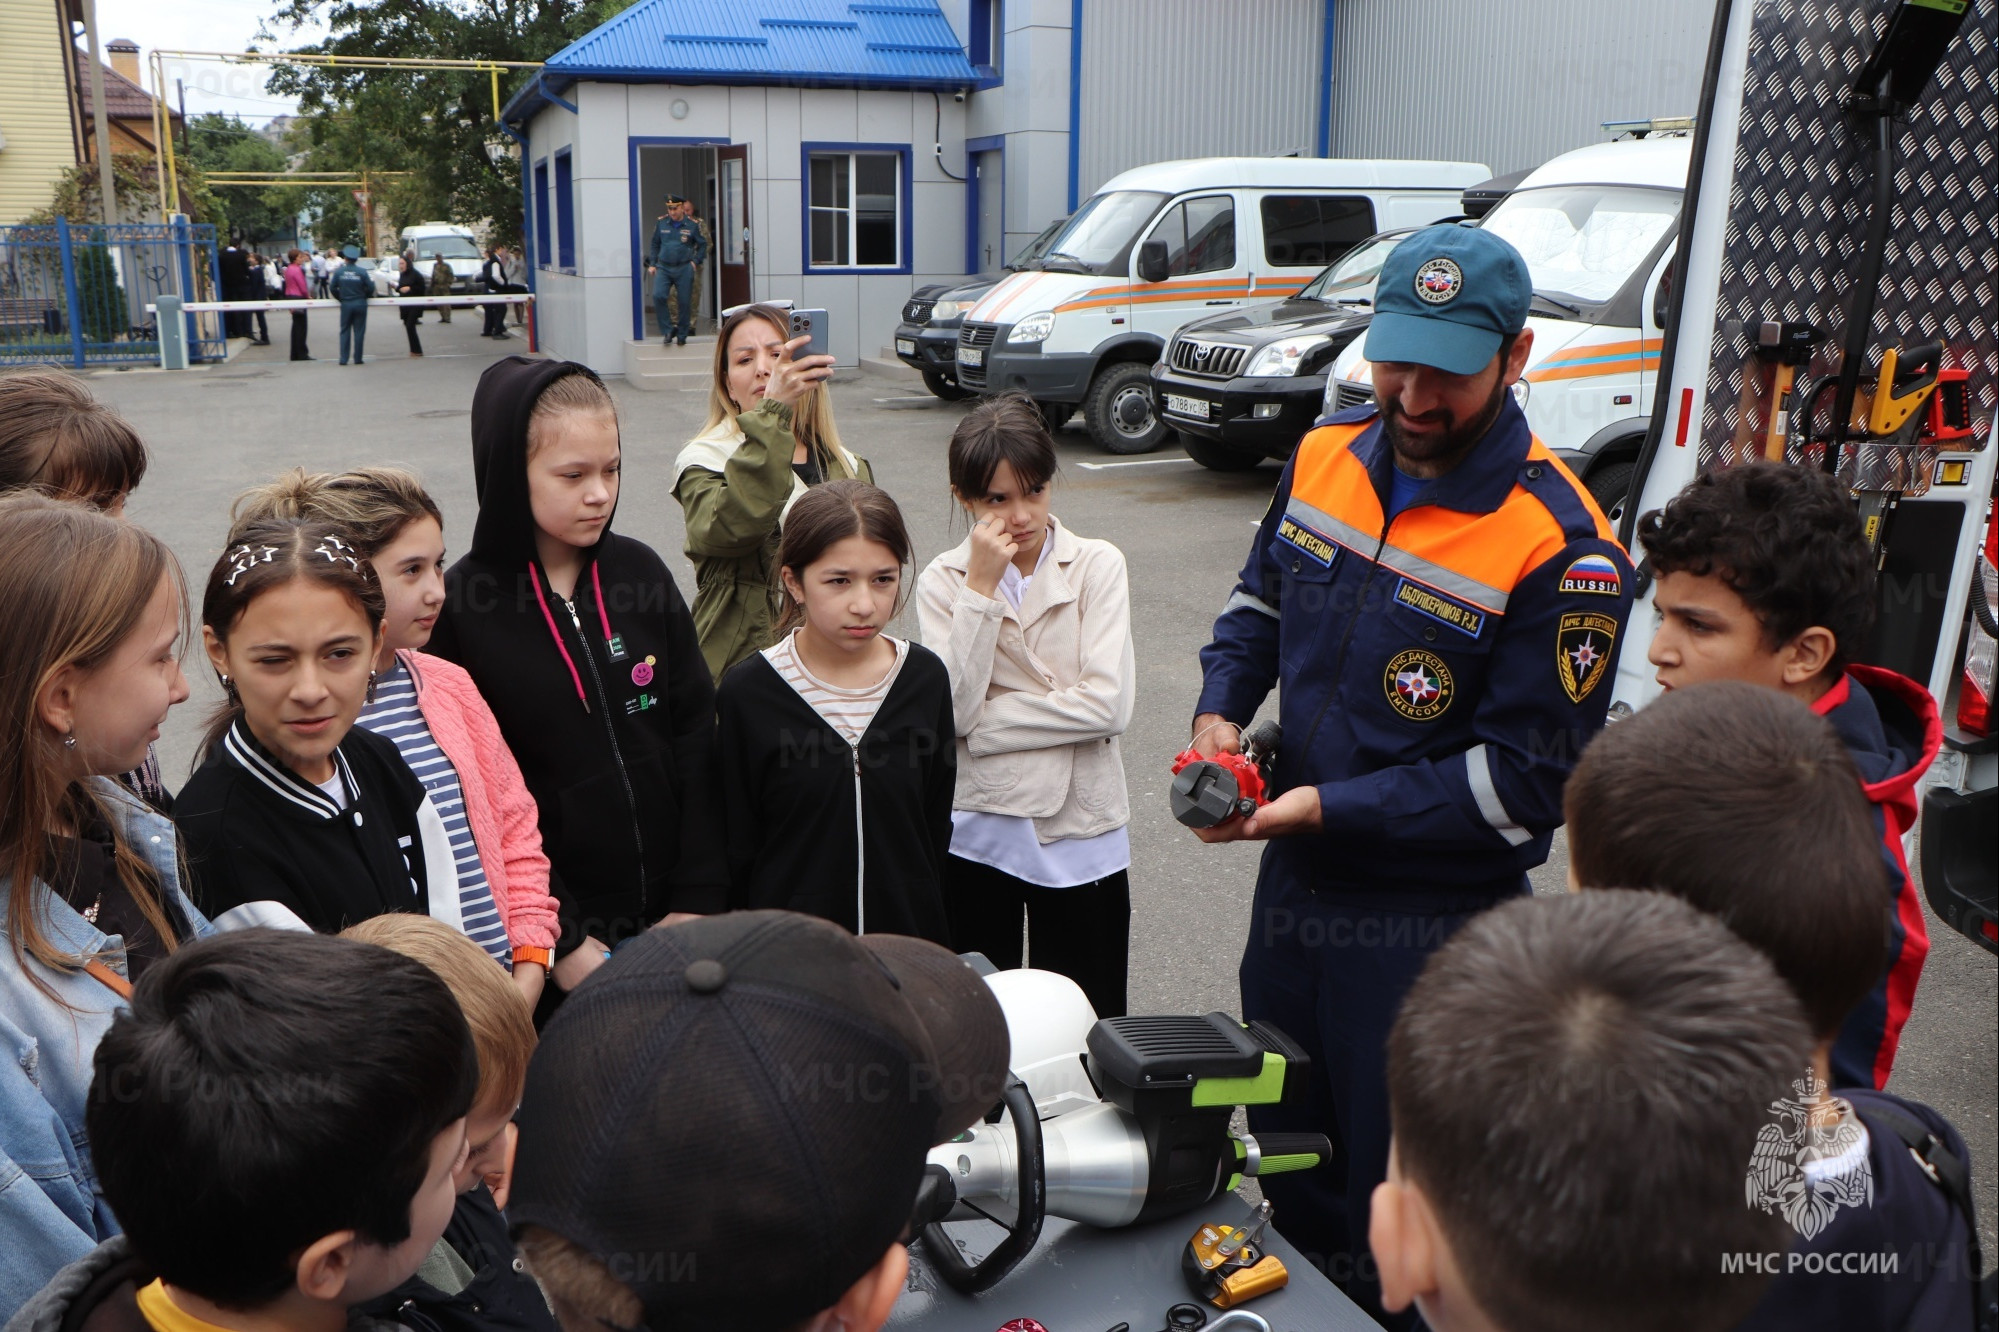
column 433, row 712
column 293, row 803
column 578, row 639
column 90, row 891
column 838, row 735
column 769, row 437
column 1034, row 623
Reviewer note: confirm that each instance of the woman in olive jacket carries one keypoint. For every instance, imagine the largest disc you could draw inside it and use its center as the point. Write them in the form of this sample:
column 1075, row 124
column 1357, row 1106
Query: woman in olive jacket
column 769, row 436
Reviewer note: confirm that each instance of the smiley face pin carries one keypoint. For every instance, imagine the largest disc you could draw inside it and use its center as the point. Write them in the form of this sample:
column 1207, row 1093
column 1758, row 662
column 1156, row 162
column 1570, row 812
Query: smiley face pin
column 642, row 672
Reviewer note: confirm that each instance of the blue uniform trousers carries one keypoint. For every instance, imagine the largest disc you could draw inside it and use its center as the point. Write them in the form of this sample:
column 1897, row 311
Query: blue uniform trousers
column 1329, row 970
column 354, row 323
column 678, row 279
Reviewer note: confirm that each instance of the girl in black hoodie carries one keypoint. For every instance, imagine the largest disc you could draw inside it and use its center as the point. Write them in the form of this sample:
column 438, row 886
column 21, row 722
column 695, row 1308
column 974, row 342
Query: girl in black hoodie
column 580, row 641
column 835, row 753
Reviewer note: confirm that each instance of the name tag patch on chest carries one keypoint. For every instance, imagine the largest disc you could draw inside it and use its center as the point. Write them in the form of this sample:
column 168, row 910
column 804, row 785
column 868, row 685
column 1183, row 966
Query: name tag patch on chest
column 1295, row 534
column 1459, row 616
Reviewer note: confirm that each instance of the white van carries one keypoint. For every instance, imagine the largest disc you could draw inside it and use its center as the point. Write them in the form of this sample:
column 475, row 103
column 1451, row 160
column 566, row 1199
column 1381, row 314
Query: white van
column 455, row 245
column 1597, row 227
column 1162, row 244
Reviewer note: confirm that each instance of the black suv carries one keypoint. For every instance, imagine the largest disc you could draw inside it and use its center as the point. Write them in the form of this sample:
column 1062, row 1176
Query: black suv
column 1246, row 385
column 927, row 338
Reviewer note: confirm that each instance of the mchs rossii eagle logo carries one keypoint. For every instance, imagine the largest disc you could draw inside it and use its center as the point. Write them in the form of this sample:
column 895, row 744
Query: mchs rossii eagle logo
column 1812, row 1160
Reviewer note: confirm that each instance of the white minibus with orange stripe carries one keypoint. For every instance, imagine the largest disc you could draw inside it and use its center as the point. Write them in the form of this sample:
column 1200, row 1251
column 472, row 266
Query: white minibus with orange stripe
column 1162, row 244
column 1597, row 228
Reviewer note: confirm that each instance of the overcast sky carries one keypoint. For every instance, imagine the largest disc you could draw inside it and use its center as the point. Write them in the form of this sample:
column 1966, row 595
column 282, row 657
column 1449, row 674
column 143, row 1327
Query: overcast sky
column 202, row 25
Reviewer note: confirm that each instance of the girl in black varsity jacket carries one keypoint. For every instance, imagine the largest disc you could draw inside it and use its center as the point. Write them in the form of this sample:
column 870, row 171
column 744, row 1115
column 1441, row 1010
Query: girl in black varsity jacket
column 292, row 802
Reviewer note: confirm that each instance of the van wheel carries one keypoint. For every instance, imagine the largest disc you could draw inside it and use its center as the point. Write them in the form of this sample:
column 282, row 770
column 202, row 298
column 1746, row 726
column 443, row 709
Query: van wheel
column 945, row 387
column 1610, row 486
column 1218, row 457
column 1118, row 410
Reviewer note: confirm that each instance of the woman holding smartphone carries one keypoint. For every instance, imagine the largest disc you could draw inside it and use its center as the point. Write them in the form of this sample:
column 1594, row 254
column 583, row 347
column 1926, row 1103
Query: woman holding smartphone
column 769, row 436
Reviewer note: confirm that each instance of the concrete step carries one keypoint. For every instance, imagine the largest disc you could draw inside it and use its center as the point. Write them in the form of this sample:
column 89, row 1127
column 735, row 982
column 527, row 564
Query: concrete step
column 668, row 381
column 652, row 365
column 888, row 366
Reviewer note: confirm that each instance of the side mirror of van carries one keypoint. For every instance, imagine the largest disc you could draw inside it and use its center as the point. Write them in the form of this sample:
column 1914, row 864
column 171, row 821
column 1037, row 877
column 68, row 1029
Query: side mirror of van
column 1152, row 266
column 1662, row 294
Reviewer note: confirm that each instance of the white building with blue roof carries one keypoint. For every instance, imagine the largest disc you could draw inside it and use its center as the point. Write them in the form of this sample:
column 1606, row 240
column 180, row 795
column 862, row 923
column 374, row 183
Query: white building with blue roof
column 844, row 152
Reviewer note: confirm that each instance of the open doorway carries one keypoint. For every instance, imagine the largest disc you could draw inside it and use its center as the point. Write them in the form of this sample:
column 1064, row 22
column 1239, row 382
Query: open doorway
column 689, row 171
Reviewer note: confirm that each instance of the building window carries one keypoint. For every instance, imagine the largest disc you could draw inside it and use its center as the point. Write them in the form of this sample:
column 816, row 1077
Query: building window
column 543, row 237
column 856, row 208
column 1199, row 235
column 1313, row 230
column 986, row 36
column 565, row 214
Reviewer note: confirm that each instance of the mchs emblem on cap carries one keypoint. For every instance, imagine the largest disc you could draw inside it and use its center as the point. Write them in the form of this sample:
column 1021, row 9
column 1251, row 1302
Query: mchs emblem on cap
column 1439, row 280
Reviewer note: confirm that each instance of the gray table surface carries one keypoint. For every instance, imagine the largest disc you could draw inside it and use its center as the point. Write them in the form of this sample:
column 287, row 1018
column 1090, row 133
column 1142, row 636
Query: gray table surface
column 1081, row 1279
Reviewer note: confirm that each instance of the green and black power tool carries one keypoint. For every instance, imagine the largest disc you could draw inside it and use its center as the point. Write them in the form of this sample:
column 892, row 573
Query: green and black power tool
column 1157, row 1144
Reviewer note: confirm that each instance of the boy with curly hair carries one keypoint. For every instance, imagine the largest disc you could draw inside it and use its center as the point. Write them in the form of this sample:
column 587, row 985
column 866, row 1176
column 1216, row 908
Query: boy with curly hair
column 1765, row 576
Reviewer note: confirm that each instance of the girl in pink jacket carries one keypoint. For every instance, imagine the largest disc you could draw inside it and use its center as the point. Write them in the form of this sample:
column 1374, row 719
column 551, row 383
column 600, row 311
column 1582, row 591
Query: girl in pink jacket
column 433, row 712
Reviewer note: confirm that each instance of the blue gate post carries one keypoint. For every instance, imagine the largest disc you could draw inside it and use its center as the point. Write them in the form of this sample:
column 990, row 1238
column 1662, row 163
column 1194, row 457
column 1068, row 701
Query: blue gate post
column 183, row 256
column 69, row 293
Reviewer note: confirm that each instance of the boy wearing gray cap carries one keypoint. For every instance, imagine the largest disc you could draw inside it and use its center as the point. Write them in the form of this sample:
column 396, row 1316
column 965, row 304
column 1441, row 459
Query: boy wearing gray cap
column 739, row 1086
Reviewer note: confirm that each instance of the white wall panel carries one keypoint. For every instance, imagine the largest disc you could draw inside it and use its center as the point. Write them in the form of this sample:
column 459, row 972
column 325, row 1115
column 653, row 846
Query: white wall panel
column 1165, row 79
column 1510, row 85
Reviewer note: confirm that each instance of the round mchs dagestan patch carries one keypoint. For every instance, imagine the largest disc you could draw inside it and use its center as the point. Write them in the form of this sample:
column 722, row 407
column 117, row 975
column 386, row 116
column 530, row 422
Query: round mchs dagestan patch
column 1418, row 684
column 1438, row 281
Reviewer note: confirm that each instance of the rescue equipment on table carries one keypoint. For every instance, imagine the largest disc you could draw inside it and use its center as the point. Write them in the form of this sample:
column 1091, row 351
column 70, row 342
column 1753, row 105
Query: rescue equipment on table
column 1225, row 1265
column 1108, row 1123
column 1187, row 1317
column 1208, row 792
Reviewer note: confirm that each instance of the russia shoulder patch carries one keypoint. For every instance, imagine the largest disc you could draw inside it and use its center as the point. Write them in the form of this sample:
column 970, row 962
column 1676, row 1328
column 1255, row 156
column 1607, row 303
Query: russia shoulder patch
column 1594, row 574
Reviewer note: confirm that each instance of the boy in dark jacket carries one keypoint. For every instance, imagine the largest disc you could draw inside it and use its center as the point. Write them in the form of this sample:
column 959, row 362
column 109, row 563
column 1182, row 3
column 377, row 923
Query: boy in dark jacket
column 276, row 1121
column 470, row 1282
column 1875, row 1188
column 1765, row 576
column 580, row 641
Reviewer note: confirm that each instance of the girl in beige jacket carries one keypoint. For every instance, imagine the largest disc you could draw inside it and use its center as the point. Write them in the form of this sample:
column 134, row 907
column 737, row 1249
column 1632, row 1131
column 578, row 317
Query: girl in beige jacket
column 1034, row 624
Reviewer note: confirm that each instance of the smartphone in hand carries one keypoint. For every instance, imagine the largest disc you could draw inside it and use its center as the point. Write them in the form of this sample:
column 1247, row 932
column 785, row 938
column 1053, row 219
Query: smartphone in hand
column 812, row 324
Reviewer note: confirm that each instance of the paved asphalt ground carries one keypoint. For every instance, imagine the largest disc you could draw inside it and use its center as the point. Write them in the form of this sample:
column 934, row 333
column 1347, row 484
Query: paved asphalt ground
column 1184, row 531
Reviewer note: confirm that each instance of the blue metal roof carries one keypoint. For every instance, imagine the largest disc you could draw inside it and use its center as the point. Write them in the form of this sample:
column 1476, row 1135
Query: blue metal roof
column 811, row 43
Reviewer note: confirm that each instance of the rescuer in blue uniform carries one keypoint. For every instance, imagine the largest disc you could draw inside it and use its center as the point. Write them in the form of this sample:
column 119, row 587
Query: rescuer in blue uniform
column 1439, row 603
column 676, row 247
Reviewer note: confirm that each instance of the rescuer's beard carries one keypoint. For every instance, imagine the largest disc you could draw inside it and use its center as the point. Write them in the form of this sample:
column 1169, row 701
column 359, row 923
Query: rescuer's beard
column 1434, row 452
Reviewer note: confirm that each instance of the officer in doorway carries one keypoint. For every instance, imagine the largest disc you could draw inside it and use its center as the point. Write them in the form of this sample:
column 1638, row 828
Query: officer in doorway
column 1439, row 603
column 671, row 255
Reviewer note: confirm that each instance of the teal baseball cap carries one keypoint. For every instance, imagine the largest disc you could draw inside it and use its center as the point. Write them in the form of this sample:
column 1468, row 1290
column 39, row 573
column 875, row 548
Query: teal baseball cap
column 1447, row 297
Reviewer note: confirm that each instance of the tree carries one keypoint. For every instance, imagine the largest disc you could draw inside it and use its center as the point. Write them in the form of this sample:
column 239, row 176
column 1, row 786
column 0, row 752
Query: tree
column 217, row 142
column 136, row 178
column 438, row 125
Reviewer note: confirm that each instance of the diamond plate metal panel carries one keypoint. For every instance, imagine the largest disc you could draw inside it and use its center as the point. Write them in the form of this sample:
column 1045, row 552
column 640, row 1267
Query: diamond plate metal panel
column 1797, row 212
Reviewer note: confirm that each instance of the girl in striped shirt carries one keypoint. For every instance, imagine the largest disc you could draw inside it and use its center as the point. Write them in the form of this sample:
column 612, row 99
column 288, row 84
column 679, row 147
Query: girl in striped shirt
column 434, row 714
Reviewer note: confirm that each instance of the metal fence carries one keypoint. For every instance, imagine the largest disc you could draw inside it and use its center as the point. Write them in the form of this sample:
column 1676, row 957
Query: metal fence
column 76, row 295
